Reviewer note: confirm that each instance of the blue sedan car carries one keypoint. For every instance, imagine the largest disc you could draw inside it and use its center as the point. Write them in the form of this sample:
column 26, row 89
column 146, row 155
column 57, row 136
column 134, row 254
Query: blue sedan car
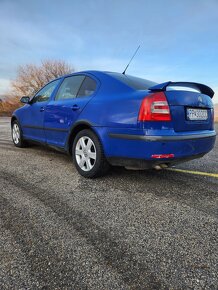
column 107, row 118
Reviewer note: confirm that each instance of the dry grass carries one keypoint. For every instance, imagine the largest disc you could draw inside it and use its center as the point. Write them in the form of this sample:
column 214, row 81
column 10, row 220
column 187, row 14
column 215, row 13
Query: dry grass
column 8, row 106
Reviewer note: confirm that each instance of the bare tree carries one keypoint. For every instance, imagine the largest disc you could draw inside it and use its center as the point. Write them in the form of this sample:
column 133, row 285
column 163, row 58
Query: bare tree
column 31, row 78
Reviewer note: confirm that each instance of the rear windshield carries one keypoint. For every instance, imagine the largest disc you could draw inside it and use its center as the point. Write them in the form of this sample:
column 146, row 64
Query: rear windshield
column 133, row 82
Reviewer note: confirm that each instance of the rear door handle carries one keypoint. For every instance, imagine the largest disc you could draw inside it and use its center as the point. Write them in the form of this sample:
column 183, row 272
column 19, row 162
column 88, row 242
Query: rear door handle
column 75, row 107
column 42, row 109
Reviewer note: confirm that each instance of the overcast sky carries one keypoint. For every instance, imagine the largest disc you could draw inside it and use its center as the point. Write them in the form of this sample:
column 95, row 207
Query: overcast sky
column 179, row 39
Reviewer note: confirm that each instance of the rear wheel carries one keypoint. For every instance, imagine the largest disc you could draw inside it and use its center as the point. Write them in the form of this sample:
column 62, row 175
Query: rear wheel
column 17, row 136
column 88, row 155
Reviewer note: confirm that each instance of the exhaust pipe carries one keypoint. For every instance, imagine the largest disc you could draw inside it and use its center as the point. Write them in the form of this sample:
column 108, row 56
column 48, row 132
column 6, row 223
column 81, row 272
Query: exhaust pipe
column 163, row 166
column 160, row 166
column 157, row 167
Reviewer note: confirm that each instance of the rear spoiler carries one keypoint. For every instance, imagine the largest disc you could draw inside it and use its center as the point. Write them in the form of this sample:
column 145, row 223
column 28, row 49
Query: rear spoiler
column 202, row 88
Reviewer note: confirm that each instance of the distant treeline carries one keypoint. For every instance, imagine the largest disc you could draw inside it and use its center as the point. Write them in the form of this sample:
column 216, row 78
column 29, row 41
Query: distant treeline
column 216, row 113
column 30, row 78
column 7, row 106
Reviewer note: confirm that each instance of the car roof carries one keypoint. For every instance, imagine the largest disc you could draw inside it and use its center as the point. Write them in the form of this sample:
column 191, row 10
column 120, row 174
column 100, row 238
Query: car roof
column 131, row 82
column 92, row 72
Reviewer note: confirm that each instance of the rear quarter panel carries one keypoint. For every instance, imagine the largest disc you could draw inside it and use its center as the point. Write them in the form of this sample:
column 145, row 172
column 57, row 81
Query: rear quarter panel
column 115, row 105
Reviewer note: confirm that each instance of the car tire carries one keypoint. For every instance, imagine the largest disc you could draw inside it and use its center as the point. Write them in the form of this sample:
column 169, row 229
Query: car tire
column 88, row 155
column 17, row 135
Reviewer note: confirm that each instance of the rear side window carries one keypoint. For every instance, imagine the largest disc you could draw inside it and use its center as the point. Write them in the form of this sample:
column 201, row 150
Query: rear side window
column 133, row 82
column 69, row 88
column 87, row 88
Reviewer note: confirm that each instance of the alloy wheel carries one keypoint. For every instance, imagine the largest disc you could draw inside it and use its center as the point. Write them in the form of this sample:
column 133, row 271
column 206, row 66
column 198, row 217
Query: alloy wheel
column 85, row 153
column 16, row 133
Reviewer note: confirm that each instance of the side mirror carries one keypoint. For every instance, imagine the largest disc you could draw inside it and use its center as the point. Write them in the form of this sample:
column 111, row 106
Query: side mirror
column 25, row 100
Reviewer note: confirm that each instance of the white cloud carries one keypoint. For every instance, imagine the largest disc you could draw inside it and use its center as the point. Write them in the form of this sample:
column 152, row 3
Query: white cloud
column 215, row 98
column 4, row 86
column 100, row 63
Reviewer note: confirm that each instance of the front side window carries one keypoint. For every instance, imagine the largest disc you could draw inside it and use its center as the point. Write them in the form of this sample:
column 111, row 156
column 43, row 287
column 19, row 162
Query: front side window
column 69, row 88
column 87, row 88
column 45, row 93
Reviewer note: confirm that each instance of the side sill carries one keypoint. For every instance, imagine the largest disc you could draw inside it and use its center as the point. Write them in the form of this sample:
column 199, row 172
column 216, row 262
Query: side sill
column 41, row 143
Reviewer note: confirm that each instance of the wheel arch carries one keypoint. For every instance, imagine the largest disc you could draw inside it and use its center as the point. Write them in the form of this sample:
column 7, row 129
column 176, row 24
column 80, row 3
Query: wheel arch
column 79, row 126
column 13, row 118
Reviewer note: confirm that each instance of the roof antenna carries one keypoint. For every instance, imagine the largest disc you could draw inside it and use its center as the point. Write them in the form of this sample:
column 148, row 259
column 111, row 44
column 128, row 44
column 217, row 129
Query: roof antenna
column 130, row 60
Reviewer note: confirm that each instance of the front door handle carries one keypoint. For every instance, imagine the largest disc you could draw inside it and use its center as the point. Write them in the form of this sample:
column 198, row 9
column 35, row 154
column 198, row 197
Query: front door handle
column 42, row 109
column 75, row 107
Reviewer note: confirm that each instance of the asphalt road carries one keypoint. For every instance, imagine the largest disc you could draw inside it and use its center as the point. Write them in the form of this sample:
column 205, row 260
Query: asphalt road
column 127, row 230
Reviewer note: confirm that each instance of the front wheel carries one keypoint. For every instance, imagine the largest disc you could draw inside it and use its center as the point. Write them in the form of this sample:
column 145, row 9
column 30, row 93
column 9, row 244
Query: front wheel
column 88, row 155
column 17, row 136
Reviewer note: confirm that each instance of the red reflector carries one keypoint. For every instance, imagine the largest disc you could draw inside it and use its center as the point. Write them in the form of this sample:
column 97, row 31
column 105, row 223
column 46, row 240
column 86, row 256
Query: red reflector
column 159, row 156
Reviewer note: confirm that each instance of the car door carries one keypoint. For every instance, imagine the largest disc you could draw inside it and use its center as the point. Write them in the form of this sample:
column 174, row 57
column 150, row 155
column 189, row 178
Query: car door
column 61, row 112
column 33, row 115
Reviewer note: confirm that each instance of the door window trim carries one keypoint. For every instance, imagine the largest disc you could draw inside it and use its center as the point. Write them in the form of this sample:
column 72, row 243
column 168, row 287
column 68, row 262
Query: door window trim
column 54, row 91
column 64, row 78
column 98, row 84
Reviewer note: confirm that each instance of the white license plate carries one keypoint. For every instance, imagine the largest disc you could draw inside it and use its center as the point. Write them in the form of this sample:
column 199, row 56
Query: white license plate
column 196, row 114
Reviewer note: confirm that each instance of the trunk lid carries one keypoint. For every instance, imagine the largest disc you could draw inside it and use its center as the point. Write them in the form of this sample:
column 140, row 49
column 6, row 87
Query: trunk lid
column 190, row 110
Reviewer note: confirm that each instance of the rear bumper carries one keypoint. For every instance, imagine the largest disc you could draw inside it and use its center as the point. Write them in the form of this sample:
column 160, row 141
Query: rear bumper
column 147, row 164
column 163, row 138
column 124, row 146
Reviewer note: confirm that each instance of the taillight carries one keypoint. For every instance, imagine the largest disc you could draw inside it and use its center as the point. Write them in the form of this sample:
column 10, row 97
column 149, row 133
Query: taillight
column 155, row 108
